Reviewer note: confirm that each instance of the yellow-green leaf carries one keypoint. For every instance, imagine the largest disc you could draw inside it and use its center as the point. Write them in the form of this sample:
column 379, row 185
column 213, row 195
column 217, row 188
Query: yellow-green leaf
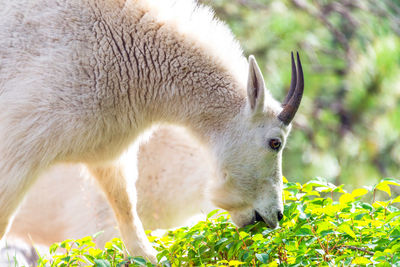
column 345, row 198
column 378, row 204
column 361, row 260
column 243, row 234
column 346, row 228
column 391, row 183
column 359, row 192
column 383, row 186
column 396, row 200
column 235, row 263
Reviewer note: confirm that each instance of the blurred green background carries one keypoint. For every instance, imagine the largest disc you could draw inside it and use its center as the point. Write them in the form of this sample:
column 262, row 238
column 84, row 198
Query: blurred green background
column 348, row 127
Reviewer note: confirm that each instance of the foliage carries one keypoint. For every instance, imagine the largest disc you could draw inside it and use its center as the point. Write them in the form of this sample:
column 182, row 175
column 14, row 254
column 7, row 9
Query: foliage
column 348, row 125
column 82, row 252
column 323, row 225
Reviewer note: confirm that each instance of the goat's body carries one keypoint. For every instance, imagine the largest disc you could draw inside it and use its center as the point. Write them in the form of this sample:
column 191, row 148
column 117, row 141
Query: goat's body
column 96, row 73
column 64, row 204
column 81, row 80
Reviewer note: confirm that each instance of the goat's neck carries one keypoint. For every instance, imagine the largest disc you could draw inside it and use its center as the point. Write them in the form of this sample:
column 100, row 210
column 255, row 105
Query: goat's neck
column 168, row 77
column 181, row 84
column 204, row 100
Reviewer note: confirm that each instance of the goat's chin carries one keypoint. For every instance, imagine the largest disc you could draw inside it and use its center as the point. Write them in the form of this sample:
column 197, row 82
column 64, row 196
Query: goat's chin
column 245, row 224
column 271, row 224
column 241, row 220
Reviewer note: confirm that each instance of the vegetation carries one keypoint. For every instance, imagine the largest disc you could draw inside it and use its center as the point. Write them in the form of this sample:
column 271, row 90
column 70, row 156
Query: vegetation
column 348, row 126
column 323, row 225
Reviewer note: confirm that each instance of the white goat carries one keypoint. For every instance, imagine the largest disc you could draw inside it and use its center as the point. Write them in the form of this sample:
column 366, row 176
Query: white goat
column 64, row 204
column 81, row 80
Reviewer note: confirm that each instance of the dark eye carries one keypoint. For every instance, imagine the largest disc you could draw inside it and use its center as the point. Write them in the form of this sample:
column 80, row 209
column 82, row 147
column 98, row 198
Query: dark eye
column 275, row 144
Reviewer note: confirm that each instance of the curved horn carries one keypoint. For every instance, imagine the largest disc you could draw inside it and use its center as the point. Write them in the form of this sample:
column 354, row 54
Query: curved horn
column 292, row 82
column 294, row 95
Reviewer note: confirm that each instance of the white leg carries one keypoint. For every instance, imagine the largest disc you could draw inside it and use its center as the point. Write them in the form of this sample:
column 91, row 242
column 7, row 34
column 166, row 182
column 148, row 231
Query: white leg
column 27, row 147
column 121, row 194
column 17, row 174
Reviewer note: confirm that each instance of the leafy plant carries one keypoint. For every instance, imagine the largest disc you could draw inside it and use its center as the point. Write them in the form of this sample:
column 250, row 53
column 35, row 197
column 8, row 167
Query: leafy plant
column 323, row 225
column 82, row 252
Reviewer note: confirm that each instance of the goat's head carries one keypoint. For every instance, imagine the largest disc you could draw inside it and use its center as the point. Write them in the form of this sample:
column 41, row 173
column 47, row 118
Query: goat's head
column 250, row 152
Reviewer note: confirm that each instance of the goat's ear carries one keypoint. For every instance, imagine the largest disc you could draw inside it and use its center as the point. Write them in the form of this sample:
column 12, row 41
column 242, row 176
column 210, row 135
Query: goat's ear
column 255, row 86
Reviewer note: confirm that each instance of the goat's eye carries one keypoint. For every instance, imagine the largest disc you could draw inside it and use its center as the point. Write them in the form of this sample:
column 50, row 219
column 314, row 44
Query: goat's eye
column 275, row 144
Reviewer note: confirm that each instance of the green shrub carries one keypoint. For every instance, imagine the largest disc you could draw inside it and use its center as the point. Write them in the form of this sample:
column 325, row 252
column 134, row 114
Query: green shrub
column 323, row 225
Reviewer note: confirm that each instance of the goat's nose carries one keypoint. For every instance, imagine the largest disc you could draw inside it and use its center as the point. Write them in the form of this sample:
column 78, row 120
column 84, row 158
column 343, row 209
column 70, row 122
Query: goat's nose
column 280, row 215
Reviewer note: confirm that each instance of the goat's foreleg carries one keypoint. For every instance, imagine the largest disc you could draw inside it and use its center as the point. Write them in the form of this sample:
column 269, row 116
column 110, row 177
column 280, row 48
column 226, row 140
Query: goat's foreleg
column 19, row 169
column 119, row 188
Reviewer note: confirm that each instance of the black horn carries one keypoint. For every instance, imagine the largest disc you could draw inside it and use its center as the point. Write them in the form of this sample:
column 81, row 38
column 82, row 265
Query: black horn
column 292, row 83
column 293, row 98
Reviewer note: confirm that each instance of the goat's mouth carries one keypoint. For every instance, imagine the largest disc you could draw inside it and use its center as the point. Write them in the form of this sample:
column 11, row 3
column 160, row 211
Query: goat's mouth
column 258, row 218
column 267, row 223
column 270, row 224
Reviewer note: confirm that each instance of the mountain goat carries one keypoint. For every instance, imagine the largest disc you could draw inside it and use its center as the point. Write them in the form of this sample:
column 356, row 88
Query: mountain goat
column 81, row 80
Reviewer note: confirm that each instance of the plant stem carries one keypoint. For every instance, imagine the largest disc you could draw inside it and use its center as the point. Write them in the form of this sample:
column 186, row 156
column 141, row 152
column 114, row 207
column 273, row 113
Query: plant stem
column 359, row 249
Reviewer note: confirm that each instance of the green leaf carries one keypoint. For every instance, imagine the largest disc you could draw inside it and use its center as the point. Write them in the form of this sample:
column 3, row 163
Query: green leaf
column 361, row 260
column 262, row 257
column 367, row 206
column 66, row 259
column 339, row 189
column 97, row 234
column 222, row 240
column 346, row 229
column 139, row 260
column 302, row 214
column 212, row 213
column 304, row 231
column 53, row 248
